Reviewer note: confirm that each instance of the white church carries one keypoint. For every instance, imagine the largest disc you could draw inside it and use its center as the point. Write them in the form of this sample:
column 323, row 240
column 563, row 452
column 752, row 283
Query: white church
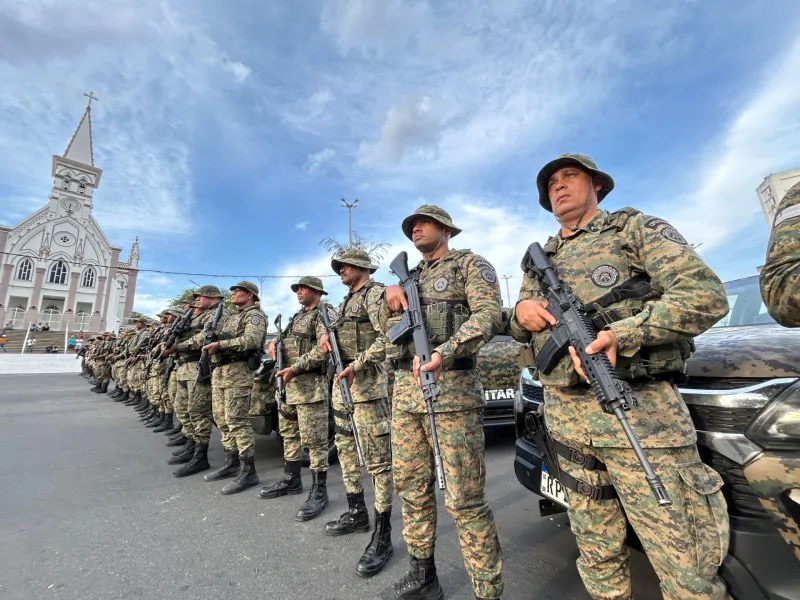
column 58, row 267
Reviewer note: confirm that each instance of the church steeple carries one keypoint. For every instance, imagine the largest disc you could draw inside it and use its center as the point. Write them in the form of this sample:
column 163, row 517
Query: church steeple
column 79, row 148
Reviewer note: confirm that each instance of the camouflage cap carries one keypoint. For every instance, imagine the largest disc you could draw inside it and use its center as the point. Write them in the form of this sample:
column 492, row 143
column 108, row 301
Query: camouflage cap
column 577, row 160
column 188, row 298
column 431, row 211
column 176, row 312
column 357, row 258
column 209, row 291
column 315, row 283
column 246, row 285
column 142, row 319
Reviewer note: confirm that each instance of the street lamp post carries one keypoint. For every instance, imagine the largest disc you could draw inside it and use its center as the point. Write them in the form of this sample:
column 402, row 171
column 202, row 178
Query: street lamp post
column 508, row 289
column 349, row 207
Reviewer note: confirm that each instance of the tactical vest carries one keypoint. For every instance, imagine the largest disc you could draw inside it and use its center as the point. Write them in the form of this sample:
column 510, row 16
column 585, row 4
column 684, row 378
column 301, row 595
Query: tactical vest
column 300, row 335
column 354, row 330
column 252, row 356
column 624, row 300
column 444, row 304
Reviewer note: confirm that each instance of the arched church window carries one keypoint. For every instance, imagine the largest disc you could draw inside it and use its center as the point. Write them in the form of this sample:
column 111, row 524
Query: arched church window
column 88, row 278
column 65, row 184
column 58, row 272
column 81, row 186
column 25, row 269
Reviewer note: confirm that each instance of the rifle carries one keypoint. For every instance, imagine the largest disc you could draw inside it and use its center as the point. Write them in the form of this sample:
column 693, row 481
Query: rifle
column 280, row 394
column 574, row 328
column 179, row 326
column 411, row 322
column 344, row 384
column 210, row 334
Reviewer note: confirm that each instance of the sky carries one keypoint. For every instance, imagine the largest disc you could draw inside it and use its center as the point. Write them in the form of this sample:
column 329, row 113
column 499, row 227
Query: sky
column 229, row 132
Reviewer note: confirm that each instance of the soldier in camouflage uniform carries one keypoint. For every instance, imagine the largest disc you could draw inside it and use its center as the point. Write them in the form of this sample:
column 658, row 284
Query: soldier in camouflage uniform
column 180, row 401
column 195, row 454
column 780, row 276
column 154, row 373
column 461, row 302
column 235, row 356
column 159, row 367
column 648, row 293
column 103, row 363
column 303, row 418
column 118, row 370
column 362, row 347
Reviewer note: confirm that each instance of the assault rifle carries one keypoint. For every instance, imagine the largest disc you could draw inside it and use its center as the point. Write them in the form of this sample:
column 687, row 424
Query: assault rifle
column 344, row 384
column 574, row 328
column 411, row 323
column 280, row 394
column 210, row 335
column 179, row 326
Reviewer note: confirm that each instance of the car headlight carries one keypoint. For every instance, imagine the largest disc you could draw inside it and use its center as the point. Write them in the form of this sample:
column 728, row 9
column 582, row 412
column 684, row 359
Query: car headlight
column 778, row 425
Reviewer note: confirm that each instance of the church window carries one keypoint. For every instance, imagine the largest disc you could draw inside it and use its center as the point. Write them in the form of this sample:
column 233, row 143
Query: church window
column 81, row 186
column 66, row 183
column 88, row 278
column 58, row 272
column 25, row 270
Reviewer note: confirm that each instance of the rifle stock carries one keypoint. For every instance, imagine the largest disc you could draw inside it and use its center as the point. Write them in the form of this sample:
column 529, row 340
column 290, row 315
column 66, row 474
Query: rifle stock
column 210, row 335
column 280, row 394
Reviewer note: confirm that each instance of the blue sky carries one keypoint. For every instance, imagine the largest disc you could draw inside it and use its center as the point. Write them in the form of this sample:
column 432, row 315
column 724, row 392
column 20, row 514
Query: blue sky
column 227, row 132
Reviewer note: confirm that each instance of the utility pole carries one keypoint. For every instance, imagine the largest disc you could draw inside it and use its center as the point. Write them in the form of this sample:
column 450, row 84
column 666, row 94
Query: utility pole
column 508, row 289
column 349, row 207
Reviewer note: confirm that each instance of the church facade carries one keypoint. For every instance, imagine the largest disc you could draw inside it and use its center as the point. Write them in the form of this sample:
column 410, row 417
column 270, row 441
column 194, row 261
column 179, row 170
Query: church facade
column 58, row 267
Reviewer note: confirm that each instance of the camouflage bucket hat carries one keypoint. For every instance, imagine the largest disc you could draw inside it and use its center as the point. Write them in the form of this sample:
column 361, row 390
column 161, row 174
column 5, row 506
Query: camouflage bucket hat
column 431, row 211
column 357, row 258
column 315, row 283
column 576, row 160
column 188, row 298
column 209, row 291
column 246, row 285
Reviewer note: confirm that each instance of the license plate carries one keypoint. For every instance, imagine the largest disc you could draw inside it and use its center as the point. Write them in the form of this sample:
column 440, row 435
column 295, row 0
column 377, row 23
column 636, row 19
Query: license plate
column 552, row 488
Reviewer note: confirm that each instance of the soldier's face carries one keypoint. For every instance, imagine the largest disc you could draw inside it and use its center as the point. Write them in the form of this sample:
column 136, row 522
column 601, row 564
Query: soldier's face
column 206, row 302
column 427, row 234
column 139, row 326
column 172, row 318
column 568, row 189
column 349, row 274
column 306, row 296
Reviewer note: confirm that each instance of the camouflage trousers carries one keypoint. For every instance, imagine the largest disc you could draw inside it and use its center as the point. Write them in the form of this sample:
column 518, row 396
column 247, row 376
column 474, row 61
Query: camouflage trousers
column 231, row 408
column 119, row 375
column 136, row 377
column 685, row 543
column 172, row 389
column 157, row 394
column 103, row 372
column 374, row 426
column 771, row 477
column 305, row 425
column 180, row 405
column 461, row 443
column 199, row 410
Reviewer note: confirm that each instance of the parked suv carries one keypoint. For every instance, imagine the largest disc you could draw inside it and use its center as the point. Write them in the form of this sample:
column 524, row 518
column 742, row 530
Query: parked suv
column 742, row 387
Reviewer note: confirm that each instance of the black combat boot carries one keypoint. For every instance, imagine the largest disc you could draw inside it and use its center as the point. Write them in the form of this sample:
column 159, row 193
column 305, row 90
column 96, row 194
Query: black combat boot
column 148, row 414
column 198, row 463
column 102, row 389
column 166, row 424
column 246, row 478
column 128, row 399
column 175, row 430
column 420, row 583
column 356, row 518
column 380, row 549
column 228, row 468
column 317, row 498
column 290, row 484
column 116, row 393
column 180, row 440
column 157, row 421
column 184, row 455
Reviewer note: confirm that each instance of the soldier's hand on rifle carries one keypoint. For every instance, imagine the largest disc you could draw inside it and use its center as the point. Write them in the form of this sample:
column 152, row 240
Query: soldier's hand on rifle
column 395, row 297
column 434, row 365
column 534, row 316
column 211, row 348
column 324, row 344
column 271, row 350
column 287, row 374
column 606, row 341
column 169, row 351
column 348, row 373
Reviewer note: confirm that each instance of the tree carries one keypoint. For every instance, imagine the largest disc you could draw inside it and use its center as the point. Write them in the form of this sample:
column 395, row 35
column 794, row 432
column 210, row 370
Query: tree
column 375, row 250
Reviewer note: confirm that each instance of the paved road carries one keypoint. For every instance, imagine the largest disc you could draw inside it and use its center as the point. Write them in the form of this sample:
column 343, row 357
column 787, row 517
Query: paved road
column 90, row 510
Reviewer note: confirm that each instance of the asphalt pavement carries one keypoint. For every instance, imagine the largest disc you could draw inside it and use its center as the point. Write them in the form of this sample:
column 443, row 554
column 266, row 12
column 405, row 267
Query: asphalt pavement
column 89, row 510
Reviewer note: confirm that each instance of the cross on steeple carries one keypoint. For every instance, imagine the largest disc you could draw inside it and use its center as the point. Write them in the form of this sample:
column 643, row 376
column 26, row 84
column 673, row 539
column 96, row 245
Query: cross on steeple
column 91, row 97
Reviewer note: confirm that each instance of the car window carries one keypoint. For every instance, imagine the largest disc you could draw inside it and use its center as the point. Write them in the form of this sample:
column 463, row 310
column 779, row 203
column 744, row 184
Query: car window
column 746, row 306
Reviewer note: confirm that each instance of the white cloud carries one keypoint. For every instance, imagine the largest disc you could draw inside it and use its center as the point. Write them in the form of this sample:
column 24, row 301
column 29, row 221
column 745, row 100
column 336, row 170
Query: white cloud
column 310, row 113
column 149, row 304
column 153, row 280
column 411, row 129
column 239, row 70
column 302, row 225
column 318, row 160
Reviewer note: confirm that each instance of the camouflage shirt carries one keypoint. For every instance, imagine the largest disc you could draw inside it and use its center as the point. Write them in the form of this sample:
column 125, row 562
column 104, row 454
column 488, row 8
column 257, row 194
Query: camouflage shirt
column 190, row 344
column 301, row 351
column 459, row 276
column 687, row 299
column 361, row 342
column 780, row 276
column 241, row 334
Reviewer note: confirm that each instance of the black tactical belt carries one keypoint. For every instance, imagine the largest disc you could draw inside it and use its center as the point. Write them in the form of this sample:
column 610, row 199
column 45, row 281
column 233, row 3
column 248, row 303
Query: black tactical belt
column 459, row 364
column 342, row 431
column 595, row 492
column 291, row 417
column 340, row 414
column 588, row 462
column 227, row 360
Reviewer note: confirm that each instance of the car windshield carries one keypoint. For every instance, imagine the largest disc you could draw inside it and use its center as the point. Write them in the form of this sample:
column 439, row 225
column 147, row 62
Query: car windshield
column 746, row 306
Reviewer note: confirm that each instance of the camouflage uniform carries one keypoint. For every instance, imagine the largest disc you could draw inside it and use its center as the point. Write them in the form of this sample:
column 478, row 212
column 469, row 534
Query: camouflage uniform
column 780, row 276
column 686, row 543
column 461, row 306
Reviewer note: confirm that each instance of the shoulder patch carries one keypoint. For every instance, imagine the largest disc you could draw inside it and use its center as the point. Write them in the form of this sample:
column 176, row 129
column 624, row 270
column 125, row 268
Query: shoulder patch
column 673, row 236
column 791, row 212
column 255, row 321
column 605, row 276
column 441, row 284
column 653, row 223
column 355, row 308
column 488, row 276
column 482, row 263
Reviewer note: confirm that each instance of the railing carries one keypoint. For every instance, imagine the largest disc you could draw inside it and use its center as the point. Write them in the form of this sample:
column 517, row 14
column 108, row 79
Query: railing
column 25, row 341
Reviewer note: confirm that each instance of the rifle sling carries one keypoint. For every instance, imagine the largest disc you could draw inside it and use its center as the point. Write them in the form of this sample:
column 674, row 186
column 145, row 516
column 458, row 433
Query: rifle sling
column 459, row 364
